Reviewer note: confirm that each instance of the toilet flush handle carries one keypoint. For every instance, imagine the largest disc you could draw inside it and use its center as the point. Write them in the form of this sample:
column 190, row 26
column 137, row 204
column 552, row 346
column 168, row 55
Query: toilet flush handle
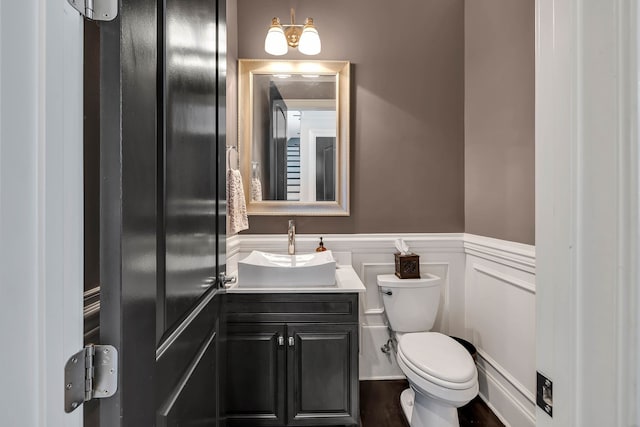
column 386, row 291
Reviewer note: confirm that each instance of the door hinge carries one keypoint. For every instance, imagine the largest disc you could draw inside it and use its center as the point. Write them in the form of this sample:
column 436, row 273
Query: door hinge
column 224, row 280
column 90, row 373
column 96, row 10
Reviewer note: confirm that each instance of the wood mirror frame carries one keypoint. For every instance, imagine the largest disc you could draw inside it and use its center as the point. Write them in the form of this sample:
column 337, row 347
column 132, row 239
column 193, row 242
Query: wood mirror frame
column 247, row 68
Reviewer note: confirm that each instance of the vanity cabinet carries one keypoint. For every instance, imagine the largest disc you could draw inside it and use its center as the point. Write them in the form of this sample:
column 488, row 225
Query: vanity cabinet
column 292, row 360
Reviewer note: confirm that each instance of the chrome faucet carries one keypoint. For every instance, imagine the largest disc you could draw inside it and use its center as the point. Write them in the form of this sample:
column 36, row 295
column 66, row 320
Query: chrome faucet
column 292, row 237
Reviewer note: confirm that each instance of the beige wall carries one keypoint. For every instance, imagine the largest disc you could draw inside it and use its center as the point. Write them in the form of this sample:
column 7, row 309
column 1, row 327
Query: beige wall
column 407, row 148
column 442, row 111
column 499, row 119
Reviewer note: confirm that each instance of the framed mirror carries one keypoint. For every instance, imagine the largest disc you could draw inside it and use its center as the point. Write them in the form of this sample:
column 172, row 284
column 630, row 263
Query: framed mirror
column 293, row 136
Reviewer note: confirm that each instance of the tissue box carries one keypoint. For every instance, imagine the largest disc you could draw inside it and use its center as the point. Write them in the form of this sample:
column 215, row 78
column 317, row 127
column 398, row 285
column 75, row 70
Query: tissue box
column 407, row 266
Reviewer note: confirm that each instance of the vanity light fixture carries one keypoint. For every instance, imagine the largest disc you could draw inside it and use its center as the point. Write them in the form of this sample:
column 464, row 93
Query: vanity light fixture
column 280, row 37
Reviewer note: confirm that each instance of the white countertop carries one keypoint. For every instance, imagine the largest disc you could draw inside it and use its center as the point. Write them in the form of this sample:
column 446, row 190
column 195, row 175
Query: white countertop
column 346, row 281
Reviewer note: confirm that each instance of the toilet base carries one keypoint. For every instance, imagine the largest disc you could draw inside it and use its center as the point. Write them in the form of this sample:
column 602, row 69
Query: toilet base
column 406, row 401
column 423, row 411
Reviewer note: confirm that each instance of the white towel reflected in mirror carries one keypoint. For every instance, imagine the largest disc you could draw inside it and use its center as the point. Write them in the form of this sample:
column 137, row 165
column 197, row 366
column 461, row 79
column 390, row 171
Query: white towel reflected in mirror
column 256, row 190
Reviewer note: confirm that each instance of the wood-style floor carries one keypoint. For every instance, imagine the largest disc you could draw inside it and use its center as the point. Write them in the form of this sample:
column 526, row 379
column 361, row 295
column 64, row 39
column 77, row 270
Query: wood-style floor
column 380, row 407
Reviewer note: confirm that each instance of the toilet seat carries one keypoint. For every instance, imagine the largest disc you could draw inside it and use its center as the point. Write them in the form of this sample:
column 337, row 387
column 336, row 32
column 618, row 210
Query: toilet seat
column 438, row 359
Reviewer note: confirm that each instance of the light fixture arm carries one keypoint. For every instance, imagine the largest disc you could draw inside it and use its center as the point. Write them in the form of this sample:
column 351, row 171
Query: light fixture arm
column 292, row 31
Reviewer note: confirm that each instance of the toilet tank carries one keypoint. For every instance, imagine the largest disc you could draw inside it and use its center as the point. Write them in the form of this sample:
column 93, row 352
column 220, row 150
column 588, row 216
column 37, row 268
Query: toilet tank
column 411, row 305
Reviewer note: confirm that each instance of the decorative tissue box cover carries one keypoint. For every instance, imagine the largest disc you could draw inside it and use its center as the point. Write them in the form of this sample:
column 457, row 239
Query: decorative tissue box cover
column 407, row 266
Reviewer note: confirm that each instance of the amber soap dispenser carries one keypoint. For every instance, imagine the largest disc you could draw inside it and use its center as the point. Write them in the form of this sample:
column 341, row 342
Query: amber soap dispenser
column 321, row 247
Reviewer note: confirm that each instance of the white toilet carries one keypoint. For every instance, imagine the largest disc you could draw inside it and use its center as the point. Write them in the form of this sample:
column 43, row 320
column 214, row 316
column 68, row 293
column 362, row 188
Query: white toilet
column 441, row 371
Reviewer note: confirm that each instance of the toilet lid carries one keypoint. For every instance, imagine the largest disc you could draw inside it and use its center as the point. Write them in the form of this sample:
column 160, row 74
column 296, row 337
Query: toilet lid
column 438, row 355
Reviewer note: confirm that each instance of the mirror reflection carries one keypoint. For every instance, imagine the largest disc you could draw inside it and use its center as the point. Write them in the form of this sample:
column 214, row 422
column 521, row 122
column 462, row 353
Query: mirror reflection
column 294, row 136
column 293, row 157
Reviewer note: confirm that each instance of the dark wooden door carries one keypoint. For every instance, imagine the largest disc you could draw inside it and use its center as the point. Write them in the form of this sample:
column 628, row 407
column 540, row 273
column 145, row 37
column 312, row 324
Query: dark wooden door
column 278, row 150
column 162, row 209
column 325, row 169
column 256, row 361
column 322, row 379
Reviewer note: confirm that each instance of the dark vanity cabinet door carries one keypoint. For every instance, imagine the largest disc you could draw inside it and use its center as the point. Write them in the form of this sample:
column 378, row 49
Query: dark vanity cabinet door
column 256, row 369
column 322, row 381
column 292, row 360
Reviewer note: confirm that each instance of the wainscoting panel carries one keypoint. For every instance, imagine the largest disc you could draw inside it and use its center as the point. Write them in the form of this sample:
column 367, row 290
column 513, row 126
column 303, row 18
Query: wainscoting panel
column 500, row 309
column 488, row 298
column 374, row 364
column 371, row 255
column 443, row 257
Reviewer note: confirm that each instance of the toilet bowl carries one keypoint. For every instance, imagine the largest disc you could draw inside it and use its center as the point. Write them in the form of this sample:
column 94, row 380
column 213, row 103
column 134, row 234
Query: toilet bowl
column 442, row 376
column 441, row 372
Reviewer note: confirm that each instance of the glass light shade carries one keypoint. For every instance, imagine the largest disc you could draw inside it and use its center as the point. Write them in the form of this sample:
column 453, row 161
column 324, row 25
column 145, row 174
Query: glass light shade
column 275, row 43
column 309, row 41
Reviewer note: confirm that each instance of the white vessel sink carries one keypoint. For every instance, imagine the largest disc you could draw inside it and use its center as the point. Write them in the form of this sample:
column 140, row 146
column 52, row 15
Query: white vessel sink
column 265, row 270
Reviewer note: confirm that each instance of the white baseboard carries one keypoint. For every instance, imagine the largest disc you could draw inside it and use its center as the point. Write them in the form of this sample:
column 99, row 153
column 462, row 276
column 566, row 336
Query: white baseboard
column 493, row 409
column 384, row 378
column 500, row 398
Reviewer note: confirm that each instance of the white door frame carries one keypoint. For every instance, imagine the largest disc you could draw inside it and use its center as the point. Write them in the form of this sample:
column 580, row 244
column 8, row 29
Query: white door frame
column 587, row 210
column 41, row 207
column 308, row 163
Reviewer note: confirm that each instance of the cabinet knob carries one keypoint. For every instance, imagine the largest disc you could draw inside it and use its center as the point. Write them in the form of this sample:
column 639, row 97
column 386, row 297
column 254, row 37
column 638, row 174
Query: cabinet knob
column 280, row 340
column 291, row 341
